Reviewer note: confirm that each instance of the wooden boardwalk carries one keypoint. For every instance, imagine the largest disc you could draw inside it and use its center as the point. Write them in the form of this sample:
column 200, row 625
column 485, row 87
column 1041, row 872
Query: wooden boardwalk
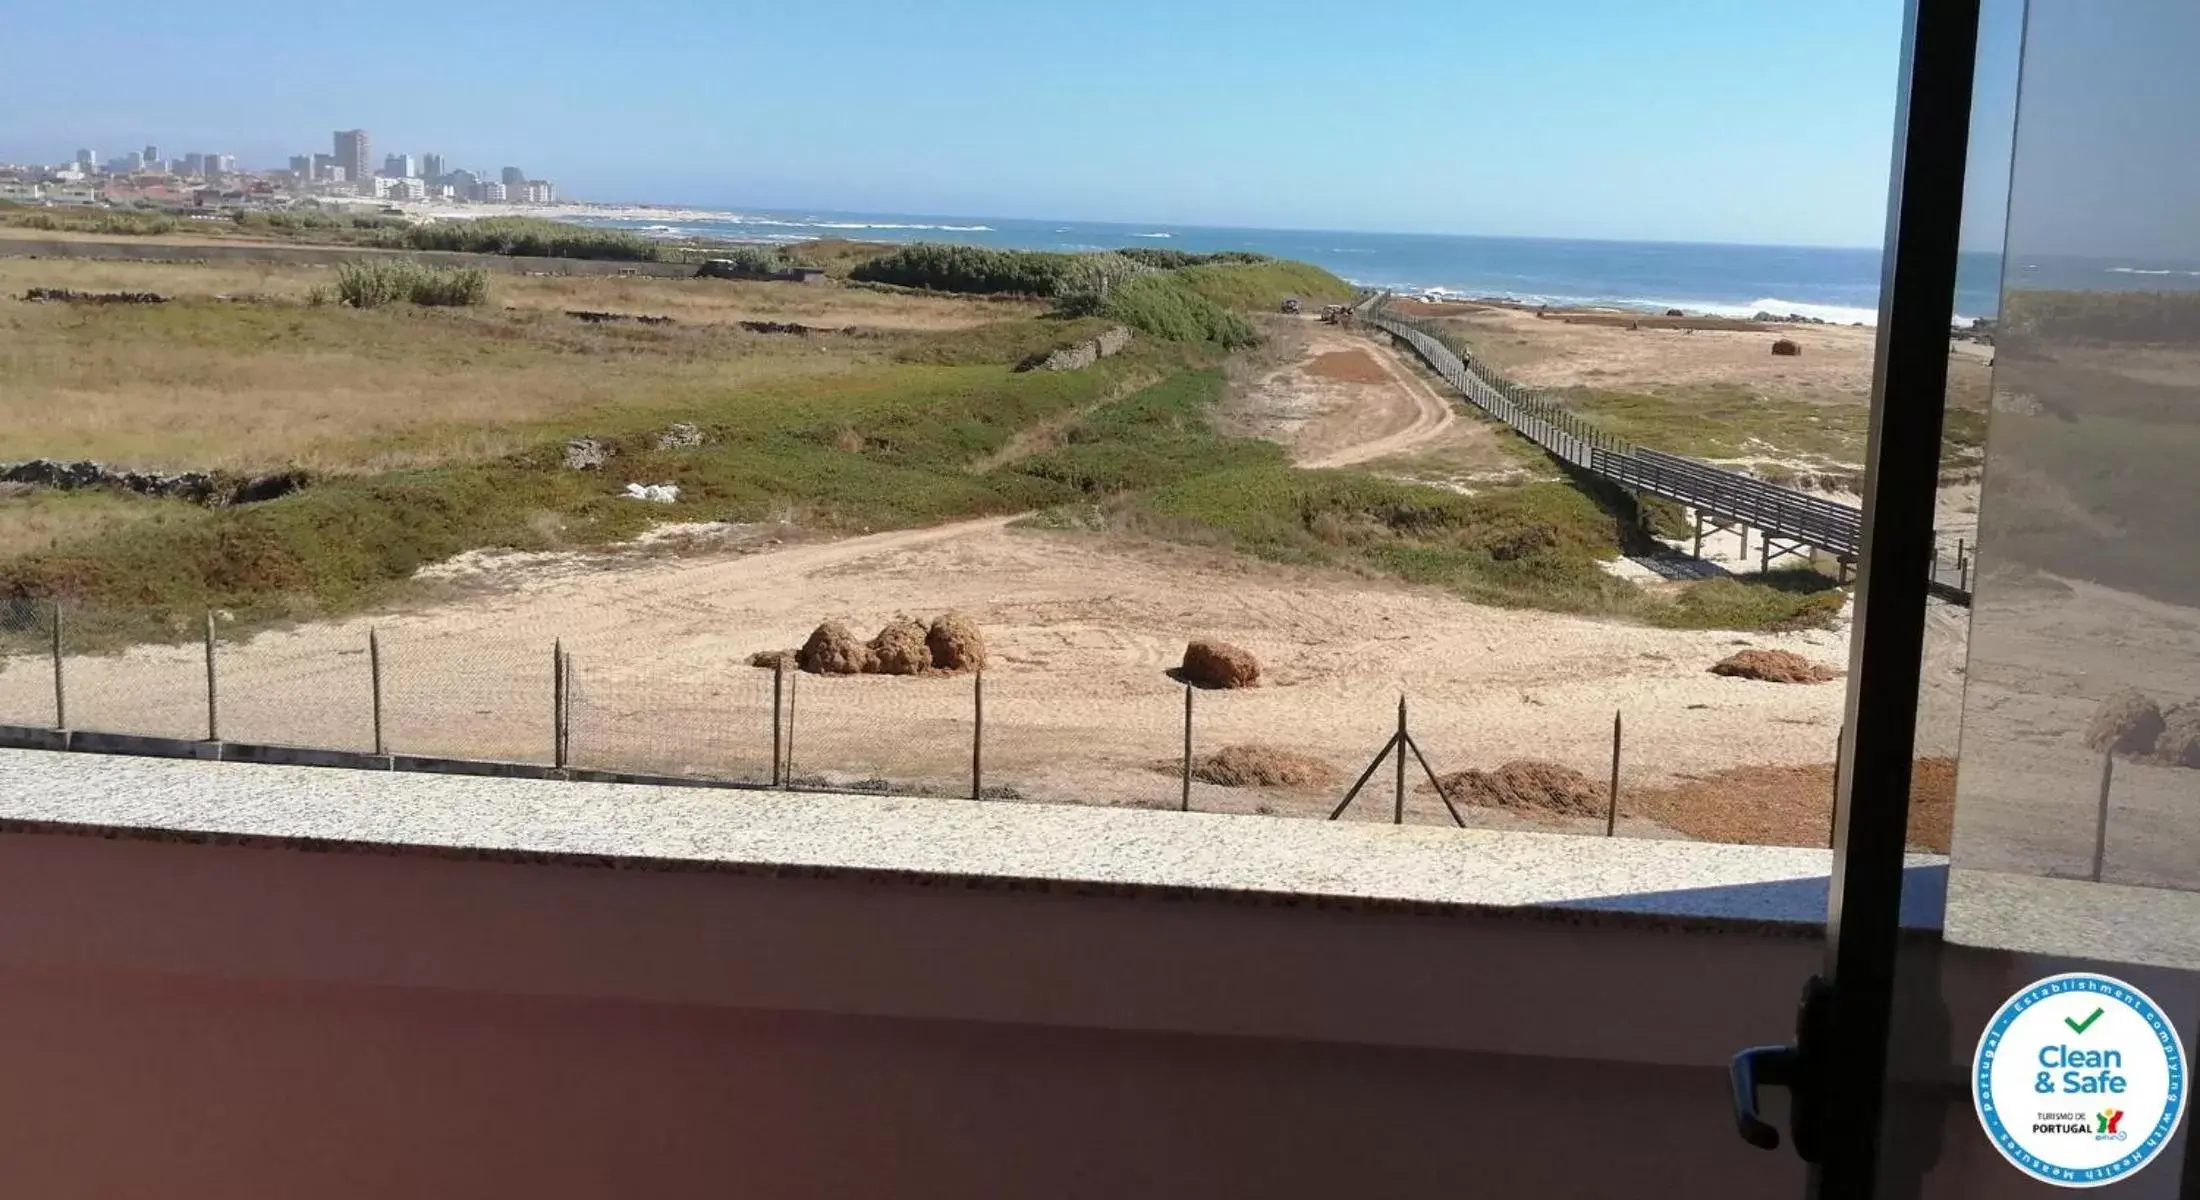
column 1787, row 520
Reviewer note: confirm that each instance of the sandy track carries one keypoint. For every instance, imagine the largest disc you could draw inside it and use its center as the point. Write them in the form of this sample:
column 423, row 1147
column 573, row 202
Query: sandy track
column 1344, row 400
column 1427, row 416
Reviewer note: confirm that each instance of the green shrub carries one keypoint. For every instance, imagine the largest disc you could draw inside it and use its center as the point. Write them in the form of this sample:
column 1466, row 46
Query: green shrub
column 376, row 283
column 977, row 270
column 1164, row 306
column 74, row 220
column 1170, row 260
column 298, row 220
column 531, row 237
column 750, row 261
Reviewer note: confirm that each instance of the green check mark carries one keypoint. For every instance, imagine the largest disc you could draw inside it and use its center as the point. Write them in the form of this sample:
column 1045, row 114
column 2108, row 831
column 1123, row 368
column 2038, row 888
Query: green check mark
column 2082, row 1026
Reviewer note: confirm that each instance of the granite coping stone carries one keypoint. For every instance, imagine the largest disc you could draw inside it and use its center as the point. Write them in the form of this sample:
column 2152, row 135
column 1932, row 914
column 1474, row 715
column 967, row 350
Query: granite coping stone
column 979, row 844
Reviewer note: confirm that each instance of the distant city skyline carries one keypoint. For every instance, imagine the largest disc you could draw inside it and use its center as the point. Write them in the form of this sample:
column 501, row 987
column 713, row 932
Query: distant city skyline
column 347, row 170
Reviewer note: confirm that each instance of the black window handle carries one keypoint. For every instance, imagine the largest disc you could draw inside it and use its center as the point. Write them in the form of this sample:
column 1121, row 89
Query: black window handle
column 1797, row 1068
column 1768, row 1066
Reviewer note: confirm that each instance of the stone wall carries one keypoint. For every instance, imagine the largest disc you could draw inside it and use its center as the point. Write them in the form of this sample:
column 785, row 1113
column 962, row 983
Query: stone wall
column 198, row 487
column 1084, row 354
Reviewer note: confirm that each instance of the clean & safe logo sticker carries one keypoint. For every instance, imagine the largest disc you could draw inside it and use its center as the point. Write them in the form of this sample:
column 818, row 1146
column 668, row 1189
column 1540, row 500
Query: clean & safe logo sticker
column 2079, row 1080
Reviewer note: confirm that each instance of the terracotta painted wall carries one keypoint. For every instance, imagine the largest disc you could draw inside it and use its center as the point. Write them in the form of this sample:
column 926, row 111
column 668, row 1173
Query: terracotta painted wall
column 233, row 1022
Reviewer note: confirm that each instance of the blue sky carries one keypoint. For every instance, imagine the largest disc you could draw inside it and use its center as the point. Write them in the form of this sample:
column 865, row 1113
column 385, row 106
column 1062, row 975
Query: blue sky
column 1712, row 120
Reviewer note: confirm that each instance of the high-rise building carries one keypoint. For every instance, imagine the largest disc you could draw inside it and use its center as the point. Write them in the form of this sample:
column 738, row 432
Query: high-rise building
column 431, row 167
column 301, row 165
column 513, row 177
column 489, row 191
column 540, row 191
column 152, row 156
column 351, row 154
column 322, row 163
column 221, row 164
column 194, row 164
column 401, row 166
column 87, row 160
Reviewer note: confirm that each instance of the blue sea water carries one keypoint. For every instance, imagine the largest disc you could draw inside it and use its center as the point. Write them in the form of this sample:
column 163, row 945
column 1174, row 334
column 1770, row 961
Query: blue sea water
column 1833, row 284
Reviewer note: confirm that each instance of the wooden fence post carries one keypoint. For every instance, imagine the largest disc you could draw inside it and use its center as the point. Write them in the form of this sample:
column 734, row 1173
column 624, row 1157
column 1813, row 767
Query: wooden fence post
column 1611, row 814
column 794, row 690
column 977, row 737
column 2100, row 820
column 213, row 701
column 1398, row 803
column 374, row 677
column 557, row 703
column 779, row 684
column 1184, row 801
column 60, row 686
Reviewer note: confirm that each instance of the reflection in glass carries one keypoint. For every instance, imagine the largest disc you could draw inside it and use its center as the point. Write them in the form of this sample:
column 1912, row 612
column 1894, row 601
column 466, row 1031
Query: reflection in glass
column 2084, row 659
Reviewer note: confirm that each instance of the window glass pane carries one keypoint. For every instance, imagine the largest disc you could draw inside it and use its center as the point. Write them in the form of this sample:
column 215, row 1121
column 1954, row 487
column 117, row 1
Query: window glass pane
column 2084, row 664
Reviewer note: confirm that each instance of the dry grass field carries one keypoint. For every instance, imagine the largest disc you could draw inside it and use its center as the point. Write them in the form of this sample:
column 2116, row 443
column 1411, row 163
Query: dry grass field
column 238, row 372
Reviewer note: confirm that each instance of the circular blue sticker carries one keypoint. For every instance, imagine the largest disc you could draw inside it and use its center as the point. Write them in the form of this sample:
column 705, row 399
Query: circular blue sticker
column 2079, row 1080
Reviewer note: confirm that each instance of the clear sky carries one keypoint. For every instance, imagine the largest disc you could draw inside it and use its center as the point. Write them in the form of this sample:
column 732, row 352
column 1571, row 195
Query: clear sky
column 1706, row 120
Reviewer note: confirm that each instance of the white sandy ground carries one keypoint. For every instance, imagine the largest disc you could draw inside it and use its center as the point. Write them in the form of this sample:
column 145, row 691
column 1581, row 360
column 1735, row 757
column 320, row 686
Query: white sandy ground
column 1078, row 708
column 1082, row 628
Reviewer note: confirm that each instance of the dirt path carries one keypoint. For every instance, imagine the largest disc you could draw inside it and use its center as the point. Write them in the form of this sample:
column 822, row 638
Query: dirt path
column 1429, row 415
column 1345, row 400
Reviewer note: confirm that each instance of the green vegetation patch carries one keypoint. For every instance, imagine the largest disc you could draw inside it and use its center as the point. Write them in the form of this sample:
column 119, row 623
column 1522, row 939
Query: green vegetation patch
column 1174, row 295
column 1170, row 260
column 1011, row 342
column 1727, row 421
column 1156, row 436
column 1264, row 286
column 1538, row 545
column 878, row 448
column 980, row 270
column 532, row 237
column 86, row 220
column 1166, row 306
column 379, row 282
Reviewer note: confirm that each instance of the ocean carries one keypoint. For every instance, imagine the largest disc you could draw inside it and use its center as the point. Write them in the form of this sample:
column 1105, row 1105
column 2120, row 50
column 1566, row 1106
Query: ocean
column 1832, row 284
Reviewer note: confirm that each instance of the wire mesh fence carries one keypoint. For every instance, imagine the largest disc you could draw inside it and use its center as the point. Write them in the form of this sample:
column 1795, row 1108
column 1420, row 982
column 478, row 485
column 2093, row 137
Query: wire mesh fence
column 602, row 701
column 1045, row 741
column 27, row 663
column 882, row 733
column 645, row 716
column 294, row 688
column 459, row 696
column 118, row 679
